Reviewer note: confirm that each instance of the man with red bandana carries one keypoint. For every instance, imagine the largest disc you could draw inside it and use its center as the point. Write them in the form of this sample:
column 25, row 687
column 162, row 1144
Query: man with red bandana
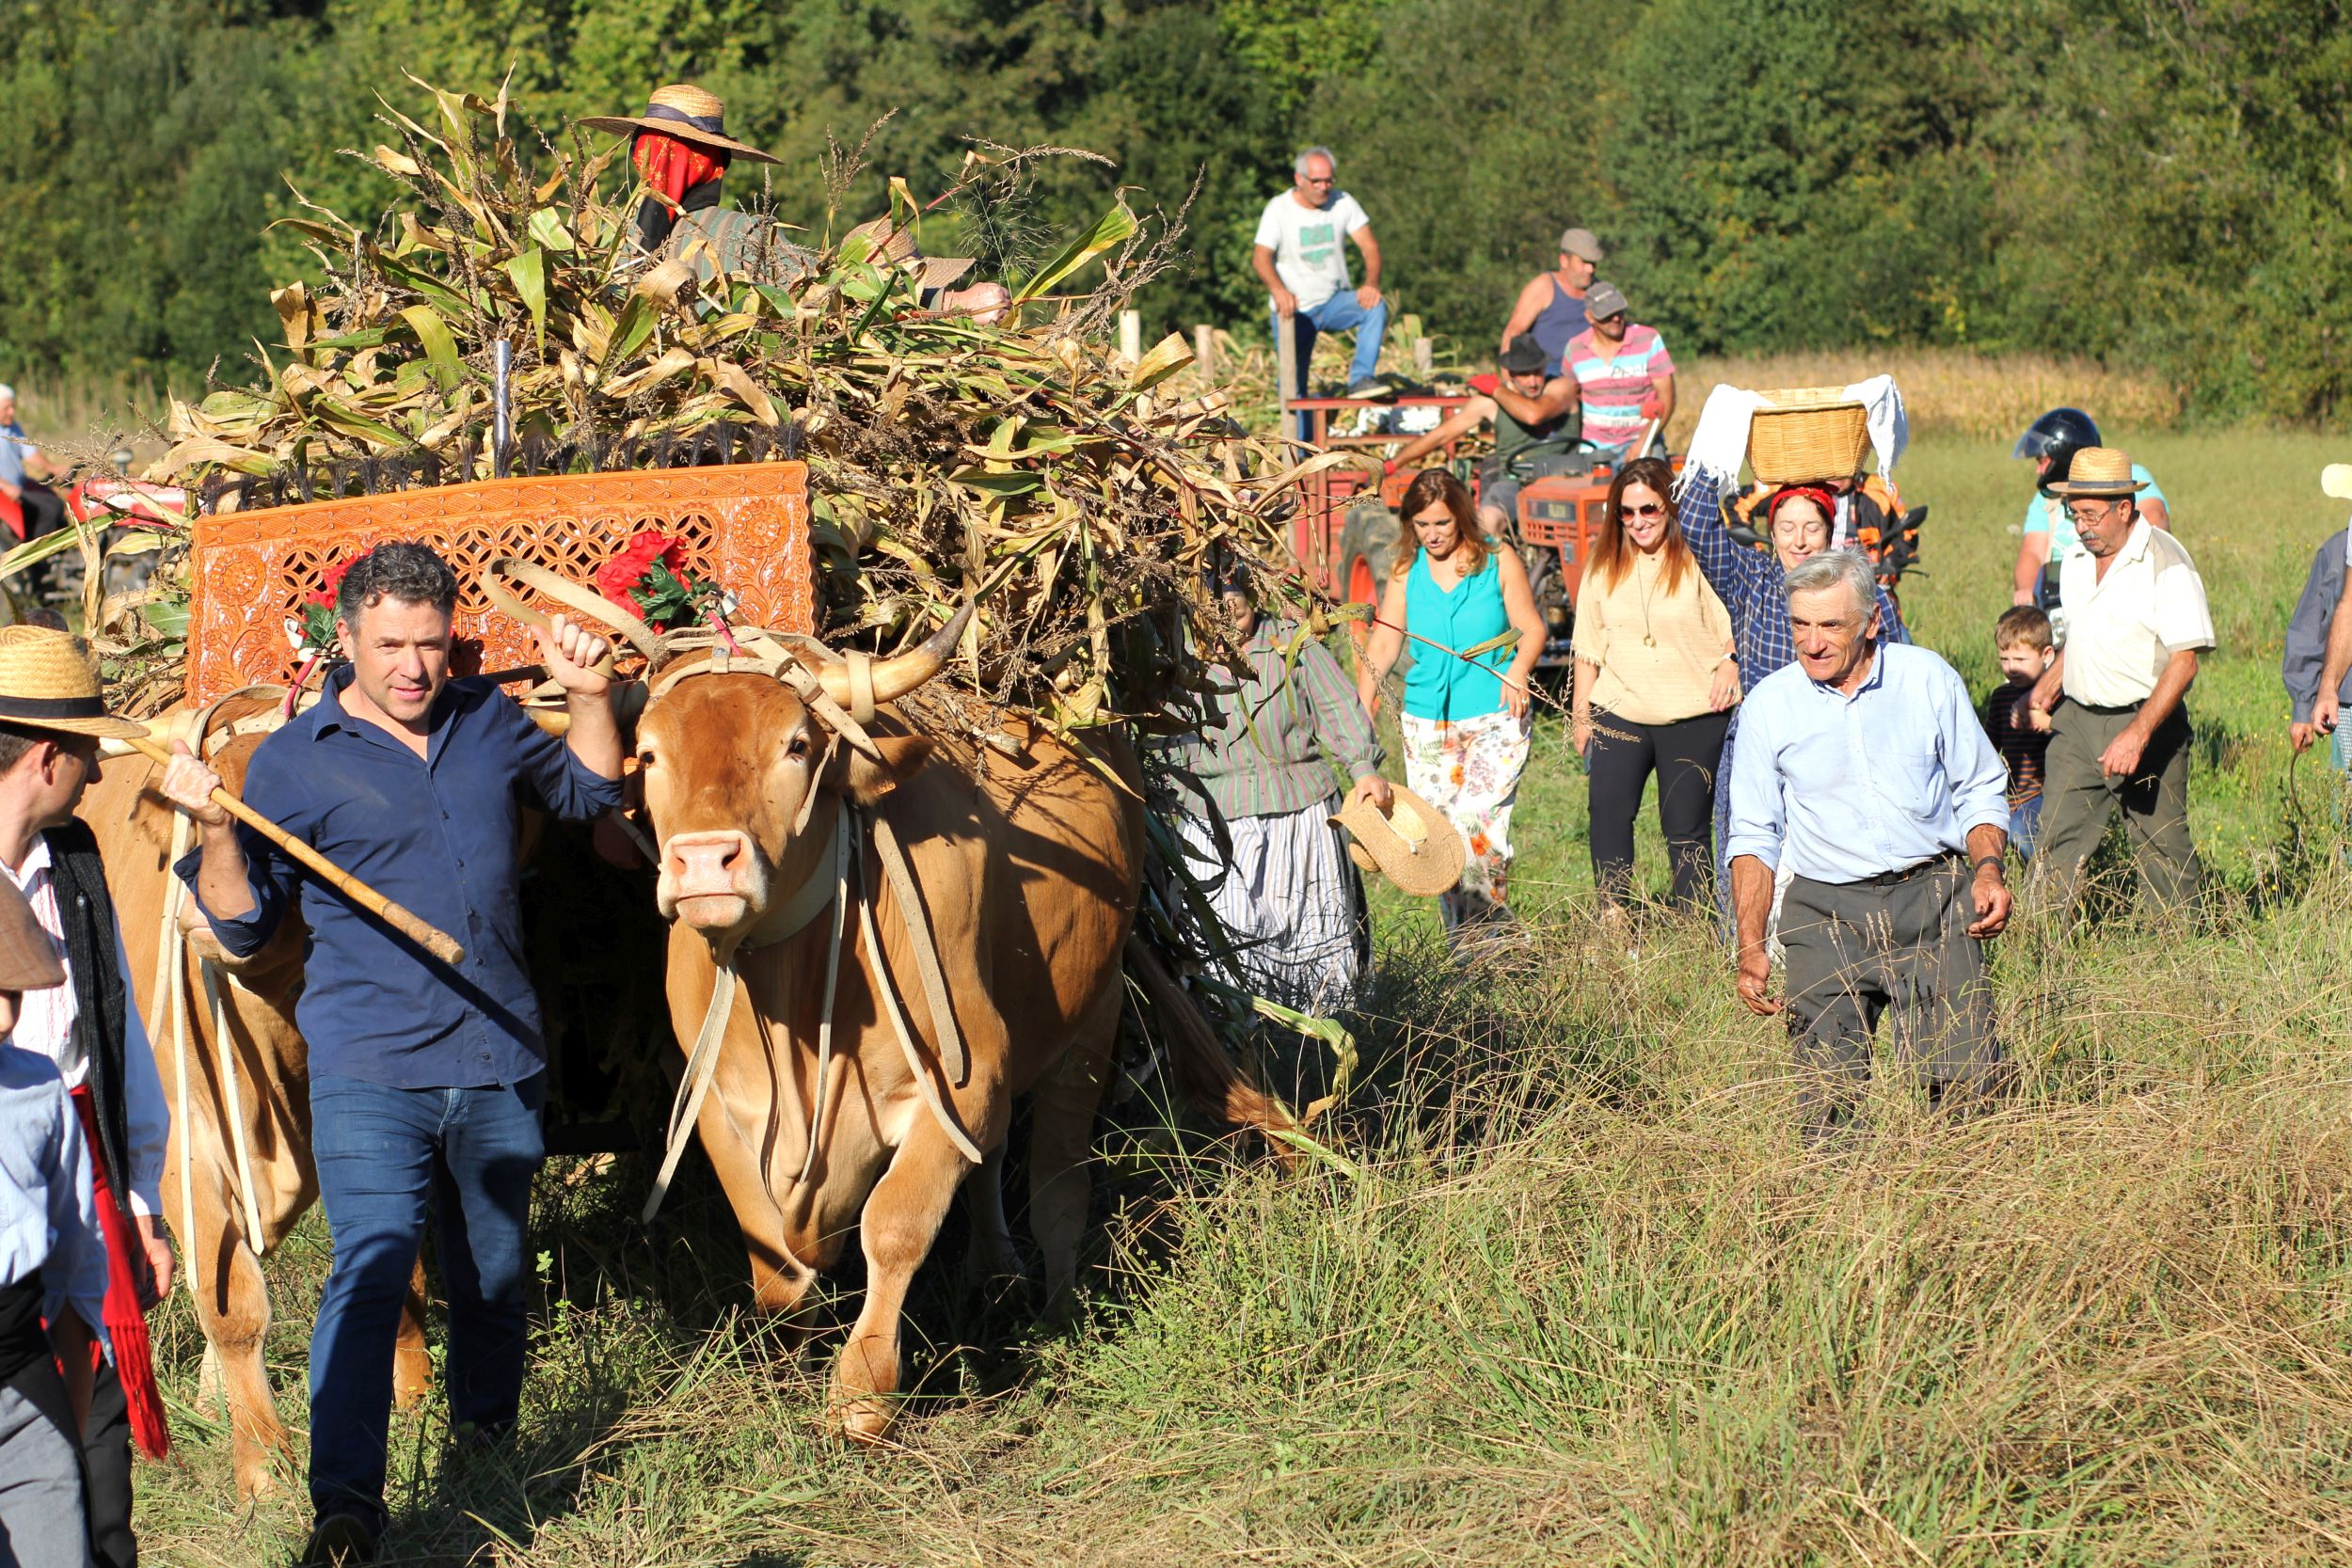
column 680, row 149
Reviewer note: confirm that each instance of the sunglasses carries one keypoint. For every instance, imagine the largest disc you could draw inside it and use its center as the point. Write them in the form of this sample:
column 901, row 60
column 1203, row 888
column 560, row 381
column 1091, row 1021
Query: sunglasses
column 1609, row 320
column 1655, row 509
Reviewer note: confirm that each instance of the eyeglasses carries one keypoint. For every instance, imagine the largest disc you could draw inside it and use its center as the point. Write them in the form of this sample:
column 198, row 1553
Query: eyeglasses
column 1312, row 181
column 1655, row 509
column 2087, row 510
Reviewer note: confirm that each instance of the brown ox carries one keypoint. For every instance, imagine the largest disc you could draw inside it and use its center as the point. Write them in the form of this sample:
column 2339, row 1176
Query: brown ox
column 221, row 1263
column 1028, row 862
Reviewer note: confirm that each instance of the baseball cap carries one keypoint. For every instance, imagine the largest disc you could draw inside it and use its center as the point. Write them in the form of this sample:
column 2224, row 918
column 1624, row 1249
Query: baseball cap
column 1525, row 356
column 1580, row 242
column 1603, row 299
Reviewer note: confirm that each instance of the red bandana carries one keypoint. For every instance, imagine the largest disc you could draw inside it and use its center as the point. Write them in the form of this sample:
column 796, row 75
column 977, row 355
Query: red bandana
column 1813, row 493
column 671, row 166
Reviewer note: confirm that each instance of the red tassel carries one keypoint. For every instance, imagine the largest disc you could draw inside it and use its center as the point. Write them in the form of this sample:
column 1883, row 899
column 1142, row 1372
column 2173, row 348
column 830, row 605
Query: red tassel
column 126, row 1323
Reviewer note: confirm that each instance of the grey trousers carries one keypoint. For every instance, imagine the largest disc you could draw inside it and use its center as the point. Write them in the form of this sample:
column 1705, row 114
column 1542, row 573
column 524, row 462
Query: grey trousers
column 2077, row 800
column 42, row 1522
column 1857, row 949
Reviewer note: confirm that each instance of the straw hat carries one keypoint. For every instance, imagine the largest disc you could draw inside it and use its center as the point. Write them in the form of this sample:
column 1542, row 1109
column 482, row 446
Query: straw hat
column 896, row 247
column 687, row 112
column 2336, row 480
column 28, row 958
column 1413, row 846
column 48, row 682
column 2099, row 471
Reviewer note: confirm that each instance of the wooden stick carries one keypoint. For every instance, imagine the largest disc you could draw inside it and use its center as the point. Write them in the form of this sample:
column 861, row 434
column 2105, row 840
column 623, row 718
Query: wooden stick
column 431, row 938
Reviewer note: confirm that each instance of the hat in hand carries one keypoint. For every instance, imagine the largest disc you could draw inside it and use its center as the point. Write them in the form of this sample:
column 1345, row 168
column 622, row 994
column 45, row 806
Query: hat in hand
column 49, row 682
column 2098, row 471
column 28, row 958
column 1413, row 846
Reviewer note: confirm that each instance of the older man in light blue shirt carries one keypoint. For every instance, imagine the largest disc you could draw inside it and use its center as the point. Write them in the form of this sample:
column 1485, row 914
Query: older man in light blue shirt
column 1861, row 768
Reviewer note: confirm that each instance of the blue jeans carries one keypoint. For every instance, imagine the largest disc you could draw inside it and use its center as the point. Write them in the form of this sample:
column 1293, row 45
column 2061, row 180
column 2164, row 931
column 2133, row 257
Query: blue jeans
column 386, row 1158
column 1339, row 313
column 2025, row 826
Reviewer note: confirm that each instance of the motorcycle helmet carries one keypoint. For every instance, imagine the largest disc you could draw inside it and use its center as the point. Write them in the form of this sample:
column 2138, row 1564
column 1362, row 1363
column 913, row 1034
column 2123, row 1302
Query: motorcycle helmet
column 2058, row 435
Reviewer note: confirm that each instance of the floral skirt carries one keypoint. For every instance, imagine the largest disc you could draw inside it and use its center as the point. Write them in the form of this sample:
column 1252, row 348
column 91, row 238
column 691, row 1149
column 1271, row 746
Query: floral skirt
column 1469, row 769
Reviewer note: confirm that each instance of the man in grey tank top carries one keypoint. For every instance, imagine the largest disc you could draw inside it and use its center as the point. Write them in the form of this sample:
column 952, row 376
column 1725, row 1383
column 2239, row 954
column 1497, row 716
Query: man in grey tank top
column 1552, row 305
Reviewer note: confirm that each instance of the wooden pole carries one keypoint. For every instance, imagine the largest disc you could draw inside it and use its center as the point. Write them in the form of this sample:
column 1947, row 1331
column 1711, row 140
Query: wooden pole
column 431, row 938
column 1286, row 370
column 1422, row 358
column 1205, row 350
column 1130, row 335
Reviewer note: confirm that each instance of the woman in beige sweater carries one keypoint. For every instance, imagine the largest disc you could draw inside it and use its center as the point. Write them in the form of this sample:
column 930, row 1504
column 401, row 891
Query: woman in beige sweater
column 1655, row 679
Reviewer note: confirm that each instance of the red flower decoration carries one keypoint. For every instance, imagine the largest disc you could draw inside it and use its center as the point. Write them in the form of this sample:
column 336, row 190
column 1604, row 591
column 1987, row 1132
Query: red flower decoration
column 334, row 575
column 628, row 570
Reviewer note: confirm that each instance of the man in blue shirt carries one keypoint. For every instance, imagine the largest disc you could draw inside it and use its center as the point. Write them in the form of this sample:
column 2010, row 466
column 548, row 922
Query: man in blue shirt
column 425, row 1080
column 1864, row 767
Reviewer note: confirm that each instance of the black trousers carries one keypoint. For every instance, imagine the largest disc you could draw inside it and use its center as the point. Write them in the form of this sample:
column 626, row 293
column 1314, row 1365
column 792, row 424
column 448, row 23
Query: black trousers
column 106, row 1464
column 44, row 509
column 1684, row 756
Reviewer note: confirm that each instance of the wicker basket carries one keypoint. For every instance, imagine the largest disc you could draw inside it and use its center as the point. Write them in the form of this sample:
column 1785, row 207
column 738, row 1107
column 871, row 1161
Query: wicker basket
column 1807, row 433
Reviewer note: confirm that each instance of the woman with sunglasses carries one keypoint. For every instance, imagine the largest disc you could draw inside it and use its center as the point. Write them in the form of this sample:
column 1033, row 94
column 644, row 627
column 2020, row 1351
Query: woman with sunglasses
column 1655, row 679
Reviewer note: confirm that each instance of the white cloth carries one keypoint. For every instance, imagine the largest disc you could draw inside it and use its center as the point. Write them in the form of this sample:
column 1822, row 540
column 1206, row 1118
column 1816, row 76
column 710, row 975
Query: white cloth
column 2121, row 629
column 1287, row 899
column 1719, row 445
column 1309, row 244
column 44, row 1024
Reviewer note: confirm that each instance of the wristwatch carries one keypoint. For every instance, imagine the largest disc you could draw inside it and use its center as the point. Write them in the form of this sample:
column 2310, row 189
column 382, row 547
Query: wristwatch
column 1982, row 860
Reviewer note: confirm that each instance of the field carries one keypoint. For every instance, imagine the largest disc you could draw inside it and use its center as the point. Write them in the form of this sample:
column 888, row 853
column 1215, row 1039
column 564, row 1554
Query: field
column 1571, row 1292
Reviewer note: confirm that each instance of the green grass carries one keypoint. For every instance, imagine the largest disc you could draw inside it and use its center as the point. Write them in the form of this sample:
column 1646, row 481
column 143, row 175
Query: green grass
column 1581, row 1297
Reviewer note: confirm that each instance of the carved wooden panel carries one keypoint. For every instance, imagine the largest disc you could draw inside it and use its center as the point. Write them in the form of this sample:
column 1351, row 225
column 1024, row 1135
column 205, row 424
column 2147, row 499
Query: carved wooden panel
column 744, row 526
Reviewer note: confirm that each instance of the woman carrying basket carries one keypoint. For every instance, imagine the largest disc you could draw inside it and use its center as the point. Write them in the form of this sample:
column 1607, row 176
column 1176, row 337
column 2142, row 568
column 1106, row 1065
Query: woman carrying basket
column 1655, row 679
column 1798, row 523
column 1476, row 634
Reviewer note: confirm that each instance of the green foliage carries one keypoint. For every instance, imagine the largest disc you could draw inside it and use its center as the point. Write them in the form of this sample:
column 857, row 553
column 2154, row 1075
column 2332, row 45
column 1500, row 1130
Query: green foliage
column 2148, row 184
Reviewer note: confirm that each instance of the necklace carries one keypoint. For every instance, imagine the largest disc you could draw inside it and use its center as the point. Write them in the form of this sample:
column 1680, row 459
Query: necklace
column 1649, row 594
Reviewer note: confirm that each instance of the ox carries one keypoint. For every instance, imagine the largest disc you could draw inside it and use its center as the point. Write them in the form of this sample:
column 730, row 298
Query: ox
column 1027, row 862
column 222, row 1261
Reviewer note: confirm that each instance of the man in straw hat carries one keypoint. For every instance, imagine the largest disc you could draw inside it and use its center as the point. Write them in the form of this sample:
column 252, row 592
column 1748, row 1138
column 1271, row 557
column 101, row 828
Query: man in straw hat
column 1862, row 769
column 52, row 1271
column 680, row 149
column 52, row 719
column 2136, row 621
column 425, row 1080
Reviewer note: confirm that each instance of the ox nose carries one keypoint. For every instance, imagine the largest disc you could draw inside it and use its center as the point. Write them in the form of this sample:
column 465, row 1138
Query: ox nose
column 709, row 864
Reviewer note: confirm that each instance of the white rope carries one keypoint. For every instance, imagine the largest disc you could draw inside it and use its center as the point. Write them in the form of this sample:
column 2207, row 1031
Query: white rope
column 226, row 1044
column 845, row 856
column 172, row 1015
column 701, row 1062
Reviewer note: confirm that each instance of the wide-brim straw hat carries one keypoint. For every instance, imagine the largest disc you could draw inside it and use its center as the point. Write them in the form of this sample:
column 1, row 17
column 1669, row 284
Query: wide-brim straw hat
column 894, row 247
column 1413, row 846
column 49, row 682
column 28, row 959
column 2098, row 471
column 687, row 112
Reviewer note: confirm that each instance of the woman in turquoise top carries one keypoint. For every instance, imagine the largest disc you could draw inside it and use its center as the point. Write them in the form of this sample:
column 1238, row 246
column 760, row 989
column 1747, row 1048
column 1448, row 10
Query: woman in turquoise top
column 1467, row 717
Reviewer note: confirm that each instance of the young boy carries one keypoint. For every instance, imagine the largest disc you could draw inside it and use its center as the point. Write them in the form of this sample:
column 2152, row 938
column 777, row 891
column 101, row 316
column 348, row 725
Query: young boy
column 53, row 1269
column 2022, row 637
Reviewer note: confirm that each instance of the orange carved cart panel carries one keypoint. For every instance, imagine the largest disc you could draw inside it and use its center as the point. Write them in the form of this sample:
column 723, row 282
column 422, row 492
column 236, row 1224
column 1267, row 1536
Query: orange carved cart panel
column 744, row 526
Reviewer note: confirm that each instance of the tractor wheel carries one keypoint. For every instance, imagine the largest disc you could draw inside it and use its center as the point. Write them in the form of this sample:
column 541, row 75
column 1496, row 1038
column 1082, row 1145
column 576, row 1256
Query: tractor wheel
column 1366, row 546
column 1545, row 583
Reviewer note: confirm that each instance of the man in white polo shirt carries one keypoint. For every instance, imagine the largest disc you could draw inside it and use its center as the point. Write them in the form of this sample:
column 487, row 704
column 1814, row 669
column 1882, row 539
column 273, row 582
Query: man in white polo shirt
column 2136, row 619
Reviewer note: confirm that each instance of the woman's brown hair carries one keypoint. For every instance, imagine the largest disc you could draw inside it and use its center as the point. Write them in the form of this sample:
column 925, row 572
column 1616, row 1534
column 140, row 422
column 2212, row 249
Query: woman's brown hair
column 1613, row 553
column 1429, row 487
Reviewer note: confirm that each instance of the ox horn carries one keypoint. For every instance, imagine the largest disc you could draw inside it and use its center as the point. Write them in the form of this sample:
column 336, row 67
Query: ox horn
column 896, row 676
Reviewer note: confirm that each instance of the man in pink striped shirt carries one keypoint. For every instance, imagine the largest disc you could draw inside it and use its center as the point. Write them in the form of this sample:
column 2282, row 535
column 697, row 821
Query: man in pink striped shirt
column 1624, row 372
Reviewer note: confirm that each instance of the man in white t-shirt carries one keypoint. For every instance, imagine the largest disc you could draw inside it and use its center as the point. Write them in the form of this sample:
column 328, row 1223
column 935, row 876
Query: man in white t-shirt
column 1301, row 257
column 2120, row 735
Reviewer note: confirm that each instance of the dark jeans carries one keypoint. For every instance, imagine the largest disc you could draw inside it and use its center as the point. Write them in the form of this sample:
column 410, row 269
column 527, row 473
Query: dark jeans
column 386, row 1158
column 1685, row 756
column 107, row 1467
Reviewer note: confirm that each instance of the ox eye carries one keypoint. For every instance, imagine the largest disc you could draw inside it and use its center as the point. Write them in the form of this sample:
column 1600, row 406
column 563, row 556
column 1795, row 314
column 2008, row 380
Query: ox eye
column 799, row 749
column 644, row 758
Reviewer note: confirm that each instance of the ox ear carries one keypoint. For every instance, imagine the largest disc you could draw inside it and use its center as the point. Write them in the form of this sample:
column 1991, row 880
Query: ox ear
column 866, row 781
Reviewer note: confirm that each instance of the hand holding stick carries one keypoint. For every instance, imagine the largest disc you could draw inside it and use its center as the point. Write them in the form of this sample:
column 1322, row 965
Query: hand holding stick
column 431, row 938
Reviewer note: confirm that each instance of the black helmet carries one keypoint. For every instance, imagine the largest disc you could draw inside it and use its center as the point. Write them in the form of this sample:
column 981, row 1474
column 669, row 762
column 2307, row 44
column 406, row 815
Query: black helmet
column 2058, row 435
